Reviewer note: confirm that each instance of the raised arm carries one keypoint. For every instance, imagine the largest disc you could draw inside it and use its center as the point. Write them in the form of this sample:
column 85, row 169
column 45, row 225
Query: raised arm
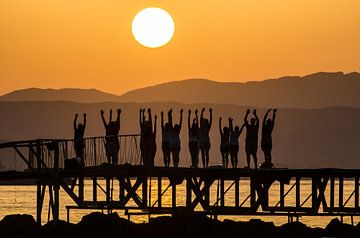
column 170, row 118
column 150, row 117
column 103, row 118
column 181, row 116
column 211, row 117
column 143, row 116
column 256, row 117
column 202, row 117
column 242, row 128
column 118, row 118
column 197, row 116
column 265, row 117
column 140, row 118
column 75, row 120
column 162, row 120
column 246, row 117
column 220, row 127
column 231, row 127
column 155, row 124
column 274, row 115
column 189, row 116
column 84, row 115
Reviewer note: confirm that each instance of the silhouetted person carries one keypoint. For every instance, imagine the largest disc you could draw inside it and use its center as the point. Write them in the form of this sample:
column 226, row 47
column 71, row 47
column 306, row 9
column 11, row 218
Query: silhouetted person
column 79, row 131
column 234, row 142
column 193, row 131
column 224, row 143
column 165, row 145
column 148, row 139
column 112, row 129
column 266, row 138
column 142, row 133
column 204, row 139
column 175, row 145
column 251, row 141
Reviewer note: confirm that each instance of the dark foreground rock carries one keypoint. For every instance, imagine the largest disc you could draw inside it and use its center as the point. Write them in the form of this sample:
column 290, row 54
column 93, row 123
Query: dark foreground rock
column 96, row 225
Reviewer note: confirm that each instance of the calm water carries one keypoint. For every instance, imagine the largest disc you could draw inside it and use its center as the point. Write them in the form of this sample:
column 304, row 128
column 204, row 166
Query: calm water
column 22, row 200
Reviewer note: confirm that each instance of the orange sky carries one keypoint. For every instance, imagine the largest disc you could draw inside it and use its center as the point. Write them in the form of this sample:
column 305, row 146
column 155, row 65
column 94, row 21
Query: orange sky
column 88, row 43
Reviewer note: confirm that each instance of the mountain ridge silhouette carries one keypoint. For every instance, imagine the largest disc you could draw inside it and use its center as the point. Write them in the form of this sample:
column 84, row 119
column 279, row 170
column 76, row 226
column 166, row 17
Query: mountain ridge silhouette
column 318, row 90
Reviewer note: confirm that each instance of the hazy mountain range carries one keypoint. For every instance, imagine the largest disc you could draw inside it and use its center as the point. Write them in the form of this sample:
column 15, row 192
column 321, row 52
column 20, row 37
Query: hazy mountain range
column 313, row 91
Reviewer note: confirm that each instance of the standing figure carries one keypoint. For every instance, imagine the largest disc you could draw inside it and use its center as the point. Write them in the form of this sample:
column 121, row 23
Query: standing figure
column 224, row 143
column 148, row 143
column 112, row 129
column 79, row 131
column 142, row 133
column 175, row 145
column 165, row 145
column 251, row 141
column 193, row 131
column 204, row 139
column 234, row 142
column 266, row 138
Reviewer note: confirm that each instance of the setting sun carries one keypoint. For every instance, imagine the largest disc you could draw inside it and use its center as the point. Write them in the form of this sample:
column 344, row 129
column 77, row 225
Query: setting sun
column 153, row 27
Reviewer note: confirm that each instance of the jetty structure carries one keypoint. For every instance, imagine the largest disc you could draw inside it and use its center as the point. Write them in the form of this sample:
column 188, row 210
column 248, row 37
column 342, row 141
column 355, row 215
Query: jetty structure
column 128, row 186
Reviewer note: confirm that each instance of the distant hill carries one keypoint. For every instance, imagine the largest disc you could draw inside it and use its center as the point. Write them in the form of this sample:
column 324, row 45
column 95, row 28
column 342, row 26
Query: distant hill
column 312, row 91
column 302, row 138
column 66, row 94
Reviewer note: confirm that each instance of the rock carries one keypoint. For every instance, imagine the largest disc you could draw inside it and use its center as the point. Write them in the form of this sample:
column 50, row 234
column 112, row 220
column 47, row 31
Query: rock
column 297, row 229
column 60, row 229
column 19, row 226
column 253, row 228
column 338, row 229
column 97, row 224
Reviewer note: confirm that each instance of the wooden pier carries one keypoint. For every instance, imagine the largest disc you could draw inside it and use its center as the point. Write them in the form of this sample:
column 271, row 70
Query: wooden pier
column 135, row 193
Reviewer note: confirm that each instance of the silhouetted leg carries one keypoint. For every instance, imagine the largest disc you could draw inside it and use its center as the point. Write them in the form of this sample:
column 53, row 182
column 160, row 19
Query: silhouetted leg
column 248, row 159
column 197, row 158
column 207, row 158
column 255, row 160
column 203, row 157
column 165, row 158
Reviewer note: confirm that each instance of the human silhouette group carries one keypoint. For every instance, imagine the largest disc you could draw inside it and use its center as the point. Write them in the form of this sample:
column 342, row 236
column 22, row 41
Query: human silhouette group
column 198, row 138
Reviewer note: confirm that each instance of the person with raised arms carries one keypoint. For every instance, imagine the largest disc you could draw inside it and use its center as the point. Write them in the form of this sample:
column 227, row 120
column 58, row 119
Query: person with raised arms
column 204, row 138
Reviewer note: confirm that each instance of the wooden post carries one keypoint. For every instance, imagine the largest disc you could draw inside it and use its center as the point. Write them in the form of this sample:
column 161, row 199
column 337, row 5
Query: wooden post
column 237, row 192
column 56, row 184
column 341, row 192
column 222, row 192
column 108, row 191
column 298, row 195
column 188, row 192
column 39, row 201
column 159, row 191
column 252, row 193
column 144, row 191
column 314, row 186
column 356, row 189
column 332, row 193
column 282, row 202
column 173, row 196
column 94, row 189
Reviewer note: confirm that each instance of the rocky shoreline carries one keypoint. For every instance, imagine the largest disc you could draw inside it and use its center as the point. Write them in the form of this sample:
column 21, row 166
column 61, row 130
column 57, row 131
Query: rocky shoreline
column 96, row 225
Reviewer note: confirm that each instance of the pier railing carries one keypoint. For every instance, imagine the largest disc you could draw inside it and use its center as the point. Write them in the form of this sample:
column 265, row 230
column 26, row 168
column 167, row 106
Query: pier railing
column 41, row 153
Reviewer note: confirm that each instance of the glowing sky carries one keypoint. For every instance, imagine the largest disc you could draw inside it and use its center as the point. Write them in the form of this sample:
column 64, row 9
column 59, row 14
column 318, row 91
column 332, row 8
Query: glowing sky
column 89, row 44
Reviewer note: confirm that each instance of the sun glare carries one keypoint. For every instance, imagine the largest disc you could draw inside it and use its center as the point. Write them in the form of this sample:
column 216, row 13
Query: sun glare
column 153, row 27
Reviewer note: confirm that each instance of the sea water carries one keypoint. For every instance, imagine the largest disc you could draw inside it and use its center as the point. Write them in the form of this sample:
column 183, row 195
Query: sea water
column 21, row 199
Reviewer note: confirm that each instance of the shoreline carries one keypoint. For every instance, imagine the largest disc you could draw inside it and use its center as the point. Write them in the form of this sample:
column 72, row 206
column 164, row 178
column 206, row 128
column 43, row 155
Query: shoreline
column 97, row 224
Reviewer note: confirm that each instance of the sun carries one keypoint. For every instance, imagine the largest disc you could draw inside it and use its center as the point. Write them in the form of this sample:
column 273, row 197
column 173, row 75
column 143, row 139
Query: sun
column 153, row 27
